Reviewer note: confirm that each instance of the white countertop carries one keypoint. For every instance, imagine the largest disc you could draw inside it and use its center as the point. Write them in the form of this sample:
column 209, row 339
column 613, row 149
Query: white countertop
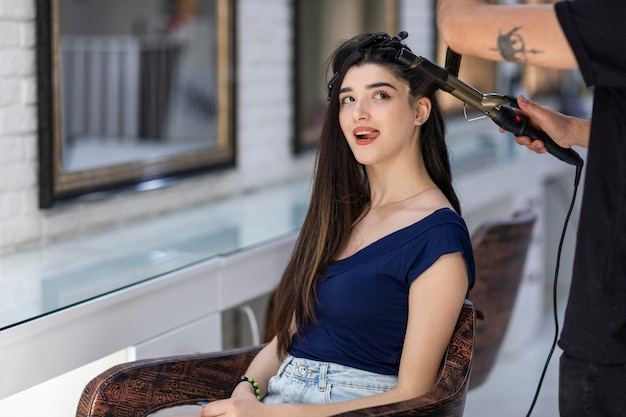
column 46, row 279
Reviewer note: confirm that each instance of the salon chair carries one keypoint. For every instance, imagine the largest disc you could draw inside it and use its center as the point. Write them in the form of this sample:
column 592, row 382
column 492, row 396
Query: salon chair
column 140, row 388
column 500, row 249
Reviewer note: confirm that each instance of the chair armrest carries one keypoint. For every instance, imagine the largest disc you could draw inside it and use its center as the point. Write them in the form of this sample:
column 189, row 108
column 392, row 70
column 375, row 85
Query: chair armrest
column 139, row 388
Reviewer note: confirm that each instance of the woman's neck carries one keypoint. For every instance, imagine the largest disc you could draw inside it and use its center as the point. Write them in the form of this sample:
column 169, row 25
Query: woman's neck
column 392, row 187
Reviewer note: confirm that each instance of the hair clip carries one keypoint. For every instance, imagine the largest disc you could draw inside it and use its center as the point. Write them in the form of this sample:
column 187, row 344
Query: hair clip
column 332, row 80
column 401, row 36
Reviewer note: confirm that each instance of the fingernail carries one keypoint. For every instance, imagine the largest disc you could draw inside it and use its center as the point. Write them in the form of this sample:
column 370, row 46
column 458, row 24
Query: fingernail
column 523, row 99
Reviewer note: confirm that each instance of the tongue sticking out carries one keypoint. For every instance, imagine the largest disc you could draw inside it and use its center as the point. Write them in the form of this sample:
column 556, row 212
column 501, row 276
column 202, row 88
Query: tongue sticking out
column 367, row 136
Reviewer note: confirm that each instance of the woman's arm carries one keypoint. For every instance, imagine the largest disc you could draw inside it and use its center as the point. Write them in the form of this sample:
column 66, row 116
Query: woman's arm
column 264, row 365
column 435, row 301
column 518, row 33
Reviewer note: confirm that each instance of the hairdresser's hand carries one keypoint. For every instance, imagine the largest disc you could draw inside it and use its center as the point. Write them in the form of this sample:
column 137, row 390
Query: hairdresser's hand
column 566, row 131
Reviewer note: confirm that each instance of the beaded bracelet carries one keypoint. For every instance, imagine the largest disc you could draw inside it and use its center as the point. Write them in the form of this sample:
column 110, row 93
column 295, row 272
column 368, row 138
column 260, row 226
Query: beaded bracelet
column 255, row 385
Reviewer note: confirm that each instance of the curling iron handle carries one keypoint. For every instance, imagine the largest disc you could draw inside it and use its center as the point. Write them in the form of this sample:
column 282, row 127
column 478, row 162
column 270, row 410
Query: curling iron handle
column 518, row 124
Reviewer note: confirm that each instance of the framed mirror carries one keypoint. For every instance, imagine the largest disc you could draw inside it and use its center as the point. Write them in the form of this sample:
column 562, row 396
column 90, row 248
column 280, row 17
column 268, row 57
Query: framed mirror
column 319, row 27
column 132, row 92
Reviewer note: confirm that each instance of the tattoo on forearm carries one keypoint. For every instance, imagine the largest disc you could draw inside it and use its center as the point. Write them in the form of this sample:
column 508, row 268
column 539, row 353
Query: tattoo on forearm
column 512, row 46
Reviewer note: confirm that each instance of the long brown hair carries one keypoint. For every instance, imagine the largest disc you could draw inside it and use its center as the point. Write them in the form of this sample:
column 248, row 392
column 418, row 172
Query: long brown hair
column 340, row 189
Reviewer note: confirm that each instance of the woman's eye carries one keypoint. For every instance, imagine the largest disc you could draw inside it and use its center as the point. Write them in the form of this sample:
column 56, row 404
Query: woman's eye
column 381, row 95
column 345, row 100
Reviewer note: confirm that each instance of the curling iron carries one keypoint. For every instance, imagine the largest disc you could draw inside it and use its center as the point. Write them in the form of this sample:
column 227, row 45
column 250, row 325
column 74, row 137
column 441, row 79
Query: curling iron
column 499, row 108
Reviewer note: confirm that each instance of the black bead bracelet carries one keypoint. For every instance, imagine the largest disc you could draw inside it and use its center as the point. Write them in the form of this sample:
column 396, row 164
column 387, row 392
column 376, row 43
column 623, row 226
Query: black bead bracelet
column 255, row 385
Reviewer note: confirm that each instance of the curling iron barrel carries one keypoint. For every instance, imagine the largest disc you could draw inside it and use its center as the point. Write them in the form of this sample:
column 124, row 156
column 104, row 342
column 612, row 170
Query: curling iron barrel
column 491, row 105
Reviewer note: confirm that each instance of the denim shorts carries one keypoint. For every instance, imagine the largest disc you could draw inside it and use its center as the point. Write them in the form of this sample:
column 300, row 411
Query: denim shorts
column 304, row 381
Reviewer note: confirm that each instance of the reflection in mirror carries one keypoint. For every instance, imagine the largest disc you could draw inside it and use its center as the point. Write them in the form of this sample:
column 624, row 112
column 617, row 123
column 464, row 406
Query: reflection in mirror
column 133, row 94
column 319, row 26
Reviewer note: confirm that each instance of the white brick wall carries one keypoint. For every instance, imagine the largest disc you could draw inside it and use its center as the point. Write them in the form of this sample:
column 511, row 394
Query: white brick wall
column 17, row 10
column 416, row 17
column 264, row 83
column 18, row 124
column 264, row 125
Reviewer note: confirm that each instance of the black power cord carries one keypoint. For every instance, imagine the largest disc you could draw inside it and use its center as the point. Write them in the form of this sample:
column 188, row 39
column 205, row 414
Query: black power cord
column 554, row 291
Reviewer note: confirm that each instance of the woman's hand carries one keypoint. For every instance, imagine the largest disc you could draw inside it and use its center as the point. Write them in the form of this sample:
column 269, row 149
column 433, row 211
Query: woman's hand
column 242, row 402
column 235, row 407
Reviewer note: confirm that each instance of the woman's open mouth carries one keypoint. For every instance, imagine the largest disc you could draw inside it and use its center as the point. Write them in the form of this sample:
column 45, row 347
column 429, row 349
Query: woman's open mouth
column 365, row 135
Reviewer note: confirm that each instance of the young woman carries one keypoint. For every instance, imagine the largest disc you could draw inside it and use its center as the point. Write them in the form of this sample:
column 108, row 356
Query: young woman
column 369, row 300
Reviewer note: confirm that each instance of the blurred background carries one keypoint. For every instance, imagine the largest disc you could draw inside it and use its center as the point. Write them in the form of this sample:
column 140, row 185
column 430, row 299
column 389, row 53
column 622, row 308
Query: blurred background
column 142, row 138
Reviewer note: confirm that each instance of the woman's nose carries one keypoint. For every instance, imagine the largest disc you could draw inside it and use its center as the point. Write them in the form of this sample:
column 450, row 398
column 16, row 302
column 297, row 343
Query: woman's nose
column 360, row 110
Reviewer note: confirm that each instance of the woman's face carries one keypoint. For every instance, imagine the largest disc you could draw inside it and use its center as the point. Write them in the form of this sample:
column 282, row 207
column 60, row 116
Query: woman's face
column 376, row 116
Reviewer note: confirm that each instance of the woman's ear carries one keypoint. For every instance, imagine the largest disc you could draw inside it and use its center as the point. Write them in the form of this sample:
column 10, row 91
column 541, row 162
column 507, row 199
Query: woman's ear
column 422, row 110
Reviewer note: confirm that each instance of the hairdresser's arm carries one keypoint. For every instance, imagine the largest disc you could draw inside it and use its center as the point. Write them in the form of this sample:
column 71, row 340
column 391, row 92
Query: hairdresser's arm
column 518, row 33
column 566, row 131
column 435, row 301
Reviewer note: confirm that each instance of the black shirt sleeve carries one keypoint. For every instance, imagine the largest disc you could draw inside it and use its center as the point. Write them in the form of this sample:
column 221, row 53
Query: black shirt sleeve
column 596, row 31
